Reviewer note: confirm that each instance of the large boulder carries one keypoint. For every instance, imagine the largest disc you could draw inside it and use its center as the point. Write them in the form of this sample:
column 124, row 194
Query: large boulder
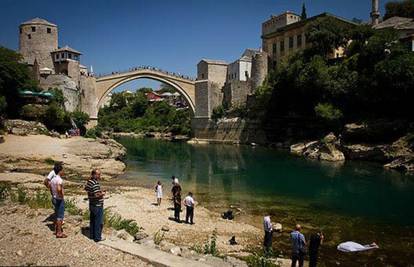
column 326, row 149
column 21, row 127
column 403, row 164
column 366, row 152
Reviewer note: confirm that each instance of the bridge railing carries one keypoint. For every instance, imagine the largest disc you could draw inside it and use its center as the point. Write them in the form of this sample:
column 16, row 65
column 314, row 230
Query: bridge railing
column 144, row 67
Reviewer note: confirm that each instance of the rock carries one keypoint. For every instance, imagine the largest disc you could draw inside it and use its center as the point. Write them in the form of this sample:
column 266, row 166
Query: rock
column 404, row 164
column 19, row 253
column 1, row 139
column 277, row 227
column 235, row 262
column 54, row 134
column 139, row 236
column 330, row 138
column 330, row 152
column 176, row 251
column 21, row 127
column 122, row 234
column 366, row 152
column 297, row 149
column 374, row 131
column 165, row 228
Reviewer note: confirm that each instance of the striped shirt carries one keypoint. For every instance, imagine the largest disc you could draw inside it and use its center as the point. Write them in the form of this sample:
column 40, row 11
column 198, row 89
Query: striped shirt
column 93, row 187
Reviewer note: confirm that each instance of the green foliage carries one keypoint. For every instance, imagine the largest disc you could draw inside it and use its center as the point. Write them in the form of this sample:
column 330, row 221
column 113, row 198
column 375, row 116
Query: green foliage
column 118, row 223
column 80, row 118
column 57, row 96
column 14, row 76
column 41, row 199
column 94, row 132
column 218, row 113
column 210, row 247
column 158, row 237
column 374, row 80
column 22, row 196
column 57, row 118
column 403, row 8
column 5, row 190
column 71, row 207
column 303, row 14
column 257, row 260
column 134, row 113
column 326, row 34
column 33, row 112
column 328, row 112
column 49, row 161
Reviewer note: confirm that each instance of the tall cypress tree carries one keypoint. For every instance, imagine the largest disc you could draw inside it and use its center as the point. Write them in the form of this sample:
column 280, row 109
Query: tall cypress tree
column 303, row 15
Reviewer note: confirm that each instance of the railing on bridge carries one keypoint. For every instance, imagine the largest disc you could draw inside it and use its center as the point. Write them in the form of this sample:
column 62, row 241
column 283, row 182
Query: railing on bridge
column 178, row 75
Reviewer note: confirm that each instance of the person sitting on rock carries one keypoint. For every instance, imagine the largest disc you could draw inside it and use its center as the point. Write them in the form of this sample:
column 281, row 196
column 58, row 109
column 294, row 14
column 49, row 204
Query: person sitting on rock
column 58, row 201
column 189, row 204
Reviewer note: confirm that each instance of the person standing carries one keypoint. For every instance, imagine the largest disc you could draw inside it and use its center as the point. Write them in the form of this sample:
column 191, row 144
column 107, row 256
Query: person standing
column 174, row 180
column 95, row 196
column 158, row 191
column 316, row 239
column 56, row 187
column 189, row 204
column 298, row 246
column 176, row 192
column 268, row 230
column 52, row 174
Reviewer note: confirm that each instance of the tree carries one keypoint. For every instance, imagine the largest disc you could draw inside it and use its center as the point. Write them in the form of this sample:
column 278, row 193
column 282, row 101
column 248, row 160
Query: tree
column 303, row 15
column 399, row 8
column 326, row 34
column 14, row 76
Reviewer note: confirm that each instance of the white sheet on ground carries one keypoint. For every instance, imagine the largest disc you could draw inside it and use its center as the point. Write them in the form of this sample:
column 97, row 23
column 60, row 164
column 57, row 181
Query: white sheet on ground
column 351, row 246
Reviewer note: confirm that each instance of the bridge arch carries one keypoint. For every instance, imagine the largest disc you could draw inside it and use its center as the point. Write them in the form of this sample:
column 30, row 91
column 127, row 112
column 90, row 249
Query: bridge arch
column 105, row 84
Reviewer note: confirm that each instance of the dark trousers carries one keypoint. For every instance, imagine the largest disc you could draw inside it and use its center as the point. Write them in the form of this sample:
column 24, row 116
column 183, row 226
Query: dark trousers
column 267, row 243
column 177, row 210
column 313, row 259
column 189, row 214
column 297, row 257
column 95, row 222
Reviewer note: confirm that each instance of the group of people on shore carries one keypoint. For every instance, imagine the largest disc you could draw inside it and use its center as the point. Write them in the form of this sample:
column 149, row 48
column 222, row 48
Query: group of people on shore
column 299, row 244
column 188, row 201
column 54, row 182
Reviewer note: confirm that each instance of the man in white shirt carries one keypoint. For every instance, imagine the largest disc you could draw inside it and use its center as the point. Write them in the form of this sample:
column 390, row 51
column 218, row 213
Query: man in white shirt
column 268, row 229
column 56, row 188
column 189, row 204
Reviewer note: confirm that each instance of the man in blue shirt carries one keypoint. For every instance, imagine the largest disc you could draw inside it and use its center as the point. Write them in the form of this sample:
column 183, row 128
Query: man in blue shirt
column 298, row 246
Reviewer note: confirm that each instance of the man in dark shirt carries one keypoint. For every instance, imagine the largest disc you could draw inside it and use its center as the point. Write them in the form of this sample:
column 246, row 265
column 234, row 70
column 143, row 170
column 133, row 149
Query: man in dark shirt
column 95, row 196
column 315, row 241
column 176, row 192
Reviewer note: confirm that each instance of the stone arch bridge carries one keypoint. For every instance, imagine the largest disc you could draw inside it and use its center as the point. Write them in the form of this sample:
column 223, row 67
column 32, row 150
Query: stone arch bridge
column 184, row 86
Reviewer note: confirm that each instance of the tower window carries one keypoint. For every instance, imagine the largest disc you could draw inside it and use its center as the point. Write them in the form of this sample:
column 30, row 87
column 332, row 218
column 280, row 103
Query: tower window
column 33, row 28
column 20, row 30
column 49, row 30
column 70, row 55
column 29, row 36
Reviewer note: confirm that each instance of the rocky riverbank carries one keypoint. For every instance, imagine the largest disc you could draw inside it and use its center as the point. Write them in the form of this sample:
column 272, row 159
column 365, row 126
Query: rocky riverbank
column 360, row 142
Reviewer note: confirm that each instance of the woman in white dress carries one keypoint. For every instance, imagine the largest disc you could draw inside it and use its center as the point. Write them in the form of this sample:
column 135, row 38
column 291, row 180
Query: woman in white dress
column 158, row 191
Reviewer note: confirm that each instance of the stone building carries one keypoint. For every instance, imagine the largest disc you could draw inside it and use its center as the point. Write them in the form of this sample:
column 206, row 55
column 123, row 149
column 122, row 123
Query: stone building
column 285, row 35
column 404, row 27
column 53, row 66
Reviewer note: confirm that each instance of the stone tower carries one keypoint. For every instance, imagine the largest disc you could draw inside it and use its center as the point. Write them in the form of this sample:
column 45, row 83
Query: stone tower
column 375, row 14
column 259, row 70
column 37, row 39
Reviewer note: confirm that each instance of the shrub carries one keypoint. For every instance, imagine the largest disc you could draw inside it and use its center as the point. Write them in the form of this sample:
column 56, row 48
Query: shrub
column 158, row 237
column 328, row 112
column 257, row 260
column 210, row 247
column 218, row 112
column 94, row 132
column 33, row 111
column 4, row 191
column 80, row 119
column 71, row 208
column 42, row 199
column 118, row 223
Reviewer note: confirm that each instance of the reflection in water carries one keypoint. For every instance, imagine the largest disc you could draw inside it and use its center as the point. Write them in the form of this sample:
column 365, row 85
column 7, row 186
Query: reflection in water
column 243, row 175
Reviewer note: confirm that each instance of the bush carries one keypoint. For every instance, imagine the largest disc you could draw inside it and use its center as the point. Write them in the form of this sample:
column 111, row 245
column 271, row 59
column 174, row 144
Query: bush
column 4, row 191
column 218, row 113
column 257, row 260
column 33, row 112
column 56, row 118
column 71, row 208
column 94, row 132
column 210, row 247
column 80, row 119
column 328, row 112
column 118, row 223
column 42, row 199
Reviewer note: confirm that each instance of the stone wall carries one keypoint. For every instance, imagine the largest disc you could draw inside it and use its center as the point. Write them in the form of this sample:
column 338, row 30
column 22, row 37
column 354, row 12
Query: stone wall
column 208, row 95
column 235, row 93
column 66, row 85
column 233, row 130
column 89, row 101
column 259, row 70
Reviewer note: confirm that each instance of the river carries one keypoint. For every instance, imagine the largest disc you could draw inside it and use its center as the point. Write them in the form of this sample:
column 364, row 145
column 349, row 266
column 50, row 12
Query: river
column 357, row 201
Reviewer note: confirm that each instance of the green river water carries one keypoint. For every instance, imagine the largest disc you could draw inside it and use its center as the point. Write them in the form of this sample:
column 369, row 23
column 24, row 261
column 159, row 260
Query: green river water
column 356, row 201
